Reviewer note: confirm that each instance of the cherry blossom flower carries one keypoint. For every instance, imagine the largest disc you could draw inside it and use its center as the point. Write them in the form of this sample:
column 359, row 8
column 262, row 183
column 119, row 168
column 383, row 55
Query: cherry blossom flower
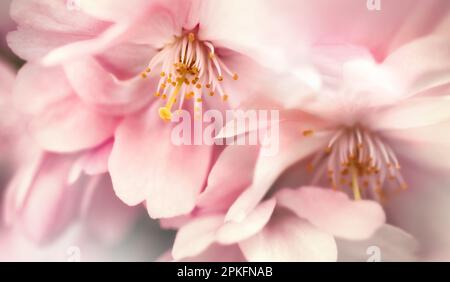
column 364, row 129
column 304, row 224
column 96, row 68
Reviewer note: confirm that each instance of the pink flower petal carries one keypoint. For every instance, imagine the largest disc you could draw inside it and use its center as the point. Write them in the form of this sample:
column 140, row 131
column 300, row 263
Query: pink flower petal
column 126, row 60
column 132, row 27
column 51, row 15
column 226, row 172
column 333, row 212
column 414, row 112
column 196, row 236
column 380, row 31
column 32, row 44
column 89, row 47
column 113, row 10
column 51, row 204
column 37, row 88
column 146, row 166
column 421, row 64
column 389, row 243
column 293, row 147
column 96, row 161
column 99, row 88
column 426, row 147
column 70, row 126
column 247, row 33
column 233, row 232
column 289, row 238
column 423, row 209
column 17, row 190
column 108, row 217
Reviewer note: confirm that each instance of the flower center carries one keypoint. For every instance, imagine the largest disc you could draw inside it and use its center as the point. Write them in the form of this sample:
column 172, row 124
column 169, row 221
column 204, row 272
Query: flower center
column 358, row 159
column 188, row 69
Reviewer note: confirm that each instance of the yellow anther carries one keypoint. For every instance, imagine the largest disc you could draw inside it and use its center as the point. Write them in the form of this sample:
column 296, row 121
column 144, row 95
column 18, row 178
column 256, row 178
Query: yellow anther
column 308, row 133
column 235, row 76
column 165, row 114
column 189, row 95
column 220, row 78
column 225, row 98
column 191, row 37
column 162, row 74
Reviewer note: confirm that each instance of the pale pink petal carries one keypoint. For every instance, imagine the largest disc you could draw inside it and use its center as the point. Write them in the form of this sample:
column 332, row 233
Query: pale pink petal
column 293, row 148
column 289, row 238
column 37, row 88
column 92, row 162
column 45, row 25
column 228, row 24
column 96, row 161
column 415, row 112
column 389, row 243
column 159, row 23
column 429, row 151
column 229, row 174
column 434, row 135
column 99, row 88
column 421, row 64
column 55, row 16
column 51, row 204
column 397, row 23
column 333, row 211
column 77, row 50
column 233, row 232
column 17, row 190
column 113, row 10
column 196, row 236
column 255, row 83
column 108, row 217
column 70, row 125
column 175, row 222
column 156, row 170
column 126, row 60
column 423, row 209
column 32, row 45
column 163, row 23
